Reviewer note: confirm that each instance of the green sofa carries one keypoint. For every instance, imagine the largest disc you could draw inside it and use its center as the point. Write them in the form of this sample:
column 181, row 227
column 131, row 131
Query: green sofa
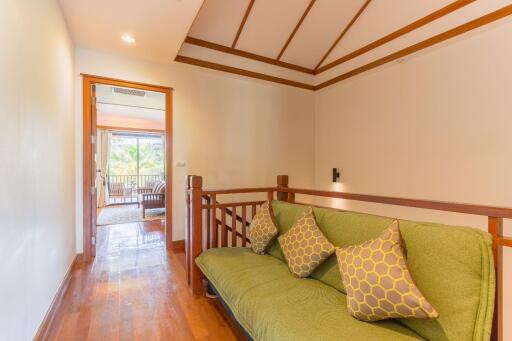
column 452, row 266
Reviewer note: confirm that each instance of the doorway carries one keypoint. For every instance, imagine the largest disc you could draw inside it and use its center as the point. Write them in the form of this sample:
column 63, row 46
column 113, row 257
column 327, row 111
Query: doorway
column 130, row 144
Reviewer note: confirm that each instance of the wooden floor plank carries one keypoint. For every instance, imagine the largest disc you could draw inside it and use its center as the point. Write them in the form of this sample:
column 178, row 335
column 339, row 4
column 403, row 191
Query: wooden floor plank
column 136, row 290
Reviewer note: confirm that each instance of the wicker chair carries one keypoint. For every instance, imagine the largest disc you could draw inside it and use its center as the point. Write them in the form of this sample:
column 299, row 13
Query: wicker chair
column 118, row 190
column 155, row 199
column 147, row 188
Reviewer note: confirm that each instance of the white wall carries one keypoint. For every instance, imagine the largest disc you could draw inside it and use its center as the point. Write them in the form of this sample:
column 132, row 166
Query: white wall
column 437, row 127
column 37, row 243
column 233, row 130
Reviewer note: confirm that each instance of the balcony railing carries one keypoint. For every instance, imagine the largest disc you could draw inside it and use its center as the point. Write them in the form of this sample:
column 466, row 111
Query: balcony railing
column 124, row 189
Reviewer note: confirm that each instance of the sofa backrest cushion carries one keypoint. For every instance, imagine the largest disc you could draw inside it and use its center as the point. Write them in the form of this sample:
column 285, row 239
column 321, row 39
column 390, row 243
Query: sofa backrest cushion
column 159, row 188
column 154, row 190
column 452, row 266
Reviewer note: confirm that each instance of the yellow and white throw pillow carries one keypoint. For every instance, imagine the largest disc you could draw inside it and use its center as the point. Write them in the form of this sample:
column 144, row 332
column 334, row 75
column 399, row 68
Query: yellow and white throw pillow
column 262, row 229
column 304, row 246
column 378, row 283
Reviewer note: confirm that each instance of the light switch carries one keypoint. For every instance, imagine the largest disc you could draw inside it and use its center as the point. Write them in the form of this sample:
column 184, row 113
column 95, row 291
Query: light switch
column 181, row 163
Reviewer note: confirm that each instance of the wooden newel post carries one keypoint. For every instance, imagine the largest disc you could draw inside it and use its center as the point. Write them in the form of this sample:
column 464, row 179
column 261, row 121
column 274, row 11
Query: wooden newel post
column 196, row 232
column 282, row 182
column 495, row 228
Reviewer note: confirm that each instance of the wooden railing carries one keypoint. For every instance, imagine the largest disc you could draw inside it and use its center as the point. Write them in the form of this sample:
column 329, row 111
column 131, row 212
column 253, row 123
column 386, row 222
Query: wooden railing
column 134, row 180
column 126, row 187
column 214, row 224
column 211, row 223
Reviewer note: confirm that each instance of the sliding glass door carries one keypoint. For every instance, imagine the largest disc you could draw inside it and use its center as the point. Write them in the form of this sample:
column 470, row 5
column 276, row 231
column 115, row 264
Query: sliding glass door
column 136, row 164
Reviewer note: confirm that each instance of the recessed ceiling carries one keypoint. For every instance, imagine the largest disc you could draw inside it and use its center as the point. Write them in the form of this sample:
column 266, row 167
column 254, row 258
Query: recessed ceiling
column 315, row 43
column 143, row 99
column 158, row 26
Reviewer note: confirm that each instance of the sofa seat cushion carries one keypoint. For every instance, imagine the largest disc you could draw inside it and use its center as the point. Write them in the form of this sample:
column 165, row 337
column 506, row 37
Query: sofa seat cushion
column 271, row 304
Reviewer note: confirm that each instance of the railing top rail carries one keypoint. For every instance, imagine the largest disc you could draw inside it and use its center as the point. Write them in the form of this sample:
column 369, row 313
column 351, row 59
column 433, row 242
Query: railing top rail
column 482, row 210
column 505, row 241
column 240, row 190
column 490, row 211
column 236, row 204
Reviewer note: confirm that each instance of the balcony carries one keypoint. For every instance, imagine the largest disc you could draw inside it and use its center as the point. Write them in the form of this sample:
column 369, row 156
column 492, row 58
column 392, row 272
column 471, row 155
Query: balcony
column 124, row 189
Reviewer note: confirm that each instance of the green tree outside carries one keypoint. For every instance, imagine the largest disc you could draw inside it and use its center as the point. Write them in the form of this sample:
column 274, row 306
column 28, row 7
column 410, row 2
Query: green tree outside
column 123, row 155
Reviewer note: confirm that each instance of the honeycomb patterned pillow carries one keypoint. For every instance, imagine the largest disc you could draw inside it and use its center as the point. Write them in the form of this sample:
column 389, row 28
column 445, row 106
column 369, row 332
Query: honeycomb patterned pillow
column 262, row 230
column 304, row 246
column 378, row 283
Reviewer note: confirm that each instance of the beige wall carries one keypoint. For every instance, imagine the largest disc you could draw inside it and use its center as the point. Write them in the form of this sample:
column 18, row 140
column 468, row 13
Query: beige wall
column 37, row 243
column 437, row 126
column 235, row 131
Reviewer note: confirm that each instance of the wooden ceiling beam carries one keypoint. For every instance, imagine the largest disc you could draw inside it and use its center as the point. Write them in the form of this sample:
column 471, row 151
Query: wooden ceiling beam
column 242, row 24
column 461, row 29
column 240, row 53
column 476, row 23
column 396, row 34
column 311, row 3
column 242, row 72
column 356, row 16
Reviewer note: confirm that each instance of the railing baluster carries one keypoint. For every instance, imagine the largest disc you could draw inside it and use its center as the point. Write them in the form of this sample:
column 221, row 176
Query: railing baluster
column 208, row 224
column 224, row 230
column 244, row 226
column 270, row 195
column 215, row 224
column 233, row 226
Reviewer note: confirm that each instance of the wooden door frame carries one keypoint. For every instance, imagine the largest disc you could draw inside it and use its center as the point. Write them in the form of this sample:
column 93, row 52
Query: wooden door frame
column 88, row 181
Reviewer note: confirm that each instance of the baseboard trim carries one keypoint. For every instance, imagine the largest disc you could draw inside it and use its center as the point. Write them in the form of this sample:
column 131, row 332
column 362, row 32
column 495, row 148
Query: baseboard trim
column 48, row 320
column 178, row 245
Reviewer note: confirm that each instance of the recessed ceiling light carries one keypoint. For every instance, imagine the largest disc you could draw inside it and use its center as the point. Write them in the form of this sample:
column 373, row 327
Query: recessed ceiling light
column 128, row 38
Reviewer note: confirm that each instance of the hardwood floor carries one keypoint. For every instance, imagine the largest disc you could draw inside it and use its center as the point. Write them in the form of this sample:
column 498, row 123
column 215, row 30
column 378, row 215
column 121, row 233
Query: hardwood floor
column 135, row 290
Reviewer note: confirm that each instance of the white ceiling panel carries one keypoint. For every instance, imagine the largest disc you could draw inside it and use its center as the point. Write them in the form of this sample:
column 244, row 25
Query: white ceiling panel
column 322, row 26
column 151, row 100
column 269, row 26
column 218, row 21
column 381, row 18
column 105, row 110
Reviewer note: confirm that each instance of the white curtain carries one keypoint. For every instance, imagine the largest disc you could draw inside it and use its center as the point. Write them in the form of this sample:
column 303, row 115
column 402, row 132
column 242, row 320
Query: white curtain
column 105, row 137
column 165, row 153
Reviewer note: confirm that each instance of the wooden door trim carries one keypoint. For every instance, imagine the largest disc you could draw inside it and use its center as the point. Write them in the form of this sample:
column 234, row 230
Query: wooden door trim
column 87, row 81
